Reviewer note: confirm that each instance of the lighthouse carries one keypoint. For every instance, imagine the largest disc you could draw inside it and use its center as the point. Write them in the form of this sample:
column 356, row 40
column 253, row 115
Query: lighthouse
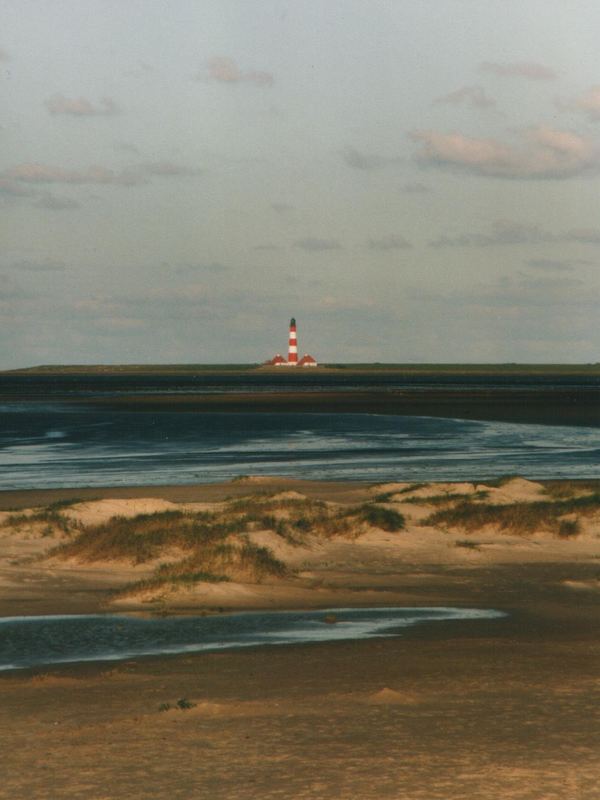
column 292, row 345
column 279, row 361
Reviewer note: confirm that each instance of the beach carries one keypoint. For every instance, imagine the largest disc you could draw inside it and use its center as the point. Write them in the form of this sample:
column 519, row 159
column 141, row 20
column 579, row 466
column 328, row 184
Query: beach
column 499, row 708
column 497, row 711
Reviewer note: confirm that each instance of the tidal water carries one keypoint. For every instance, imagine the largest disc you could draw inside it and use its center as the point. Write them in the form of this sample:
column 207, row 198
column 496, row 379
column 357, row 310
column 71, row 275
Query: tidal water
column 51, row 444
column 48, row 438
column 38, row 641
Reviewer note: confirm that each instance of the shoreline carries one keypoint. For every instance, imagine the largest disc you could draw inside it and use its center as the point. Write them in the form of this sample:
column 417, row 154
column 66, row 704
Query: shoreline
column 338, row 491
column 343, row 491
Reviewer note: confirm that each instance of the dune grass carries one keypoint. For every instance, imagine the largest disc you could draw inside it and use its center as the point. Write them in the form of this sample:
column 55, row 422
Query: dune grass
column 215, row 563
column 445, row 498
column 468, row 544
column 565, row 489
column 502, row 480
column 386, row 519
column 51, row 516
column 388, row 497
column 144, row 537
column 519, row 518
column 216, row 546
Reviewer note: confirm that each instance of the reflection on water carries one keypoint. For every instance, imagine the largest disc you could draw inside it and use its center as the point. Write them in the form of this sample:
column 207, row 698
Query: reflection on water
column 54, row 445
column 35, row 641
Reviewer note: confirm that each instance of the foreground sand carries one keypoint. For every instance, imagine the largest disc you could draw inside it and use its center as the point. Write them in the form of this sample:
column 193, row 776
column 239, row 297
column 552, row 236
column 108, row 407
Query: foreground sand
column 477, row 710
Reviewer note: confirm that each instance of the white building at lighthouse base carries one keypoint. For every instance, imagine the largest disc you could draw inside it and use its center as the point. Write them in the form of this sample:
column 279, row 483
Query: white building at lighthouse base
column 279, row 361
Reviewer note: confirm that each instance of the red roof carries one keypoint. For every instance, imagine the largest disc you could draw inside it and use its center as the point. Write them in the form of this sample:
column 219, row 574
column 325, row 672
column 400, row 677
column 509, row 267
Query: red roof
column 278, row 359
column 306, row 359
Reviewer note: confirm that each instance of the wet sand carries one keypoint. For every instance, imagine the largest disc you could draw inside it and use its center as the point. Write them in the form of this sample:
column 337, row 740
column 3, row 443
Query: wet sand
column 480, row 710
column 340, row 491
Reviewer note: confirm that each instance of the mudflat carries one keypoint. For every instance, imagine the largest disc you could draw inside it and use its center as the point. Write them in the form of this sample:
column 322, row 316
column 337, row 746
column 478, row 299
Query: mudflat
column 577, row 405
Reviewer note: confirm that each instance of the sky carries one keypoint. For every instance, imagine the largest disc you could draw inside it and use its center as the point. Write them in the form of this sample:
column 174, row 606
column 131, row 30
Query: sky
column 413, row 180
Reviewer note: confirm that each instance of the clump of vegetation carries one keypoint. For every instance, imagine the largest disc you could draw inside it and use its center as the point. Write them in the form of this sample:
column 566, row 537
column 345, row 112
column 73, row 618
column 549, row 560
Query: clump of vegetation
column 388, row 497
column 67, row 503
column 292, row 518
column 468, row 544
column 242, row 560
column 568, row 528
column 386, row 519
column 519, row 518
column 51, row 516
column 446, row 498
column 502, row 480
column 565, row 489
column 144, row 537
column 268, row 503
column 212, row 547
column 183, row 704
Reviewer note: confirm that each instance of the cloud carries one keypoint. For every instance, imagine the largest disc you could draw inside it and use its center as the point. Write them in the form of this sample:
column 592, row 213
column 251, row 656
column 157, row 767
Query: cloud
column 43, row 173
column 80, row 107
column 126, row 147
column 366, row 161
column 11, row 188
column 4, row 55
column 39, row 266
column 11, row 290
column 166, row 169
column 513, row 295
column 337, row 303
column 55, row 203
column 556, row 264
column 267, row 246
column 30, row 173
column 391, row 242
column 314, row 245
column 282, row 208
column 213, row 267
column 519, row 69
column 141, row 69
column 474, row 96
column 224, row 70
column 415, row 188
column 587, row 103
column 155, row 302
column 507, row 232
column 542, row 152
column 582, row 235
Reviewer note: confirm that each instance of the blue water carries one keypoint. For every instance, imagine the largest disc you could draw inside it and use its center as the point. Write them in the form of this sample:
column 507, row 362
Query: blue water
column 37, row 641
column 52, row 444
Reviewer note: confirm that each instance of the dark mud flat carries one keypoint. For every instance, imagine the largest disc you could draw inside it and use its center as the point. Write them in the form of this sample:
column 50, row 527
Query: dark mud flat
column 544, row 405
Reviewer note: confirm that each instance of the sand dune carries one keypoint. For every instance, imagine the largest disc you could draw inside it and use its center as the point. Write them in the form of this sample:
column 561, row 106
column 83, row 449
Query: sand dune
column 326, row 550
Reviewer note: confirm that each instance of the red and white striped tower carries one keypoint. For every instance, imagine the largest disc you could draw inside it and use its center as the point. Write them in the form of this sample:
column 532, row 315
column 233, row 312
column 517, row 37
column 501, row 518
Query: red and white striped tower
column 292, row 345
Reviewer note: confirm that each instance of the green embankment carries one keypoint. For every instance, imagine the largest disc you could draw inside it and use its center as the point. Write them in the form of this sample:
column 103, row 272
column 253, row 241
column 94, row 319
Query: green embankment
column 407, row 369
